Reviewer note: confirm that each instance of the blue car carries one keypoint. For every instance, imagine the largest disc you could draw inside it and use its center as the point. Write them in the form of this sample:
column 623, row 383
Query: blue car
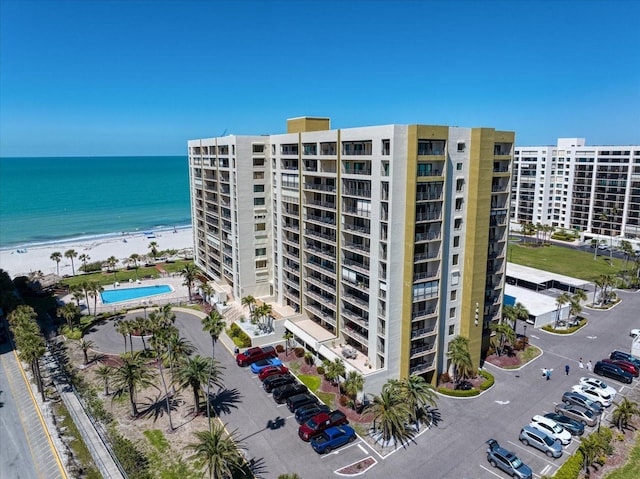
column 333, row 438
column 264, row 363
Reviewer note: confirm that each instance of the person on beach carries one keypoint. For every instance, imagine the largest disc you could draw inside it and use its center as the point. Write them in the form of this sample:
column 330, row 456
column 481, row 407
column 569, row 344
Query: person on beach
column 566, row 369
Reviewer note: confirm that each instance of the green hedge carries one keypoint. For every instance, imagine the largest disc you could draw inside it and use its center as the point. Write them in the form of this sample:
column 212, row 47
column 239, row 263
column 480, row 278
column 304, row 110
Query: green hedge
column 571, row 468
column 570, row 330
column 239, row 337
column 489, row 380
column 458, row 393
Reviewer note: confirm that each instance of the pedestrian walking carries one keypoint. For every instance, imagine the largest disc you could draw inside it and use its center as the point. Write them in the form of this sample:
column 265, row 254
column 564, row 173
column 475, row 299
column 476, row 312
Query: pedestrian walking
column 544, row 372
column 548, row 374
column 566, row 369
column 589, row 365
column 580, row 365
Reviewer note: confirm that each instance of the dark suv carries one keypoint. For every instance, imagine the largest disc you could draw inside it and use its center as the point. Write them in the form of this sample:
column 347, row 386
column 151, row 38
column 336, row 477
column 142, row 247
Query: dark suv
column 282, row 393
column 572, row 397
column 507, row 461
column 273, row 382
column 621, row 356
column 612, row 371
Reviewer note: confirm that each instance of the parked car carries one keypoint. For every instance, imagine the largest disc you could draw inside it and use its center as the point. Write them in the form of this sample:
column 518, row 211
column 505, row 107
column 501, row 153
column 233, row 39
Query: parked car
column 622, row 356
column 273, row 382
column 304, row 413
column 552, row 428
column 252, row 355
column 571, row 397
column 626, row 366
column 320, row 422
column 333, row 438
column 634, row 333
column 574, row 427
column 599, row 384
column 299, row 400
column 507, row 461
column 594, row 394
column 612, row 371
column 264, row 363
column 282, row 393
column 530, row 436
column 272, row 371
column 579, row 413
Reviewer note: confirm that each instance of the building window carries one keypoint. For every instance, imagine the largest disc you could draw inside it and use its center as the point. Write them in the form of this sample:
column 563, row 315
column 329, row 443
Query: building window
column 386, row 147
column 455, row 259
column 454, row 295
column 461, row 146
column 258, row 148
column 261, row 251
column 459, row 166
column 310, row 149
column 258, row 162
column 458, row 204
column 258, row 201
column 452, row 329
column 459, row 185
column 457, row 223
column 431, row 147
column 261, row 264
column 456, row 241
column 452, row 313
column 258, row 188
column 258, row 175
column 261, row 227
column 356, row 147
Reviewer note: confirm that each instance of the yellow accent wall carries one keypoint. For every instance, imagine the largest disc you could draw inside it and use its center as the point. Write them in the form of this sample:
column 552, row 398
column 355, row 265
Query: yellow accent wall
column 307, row 123
column 414, row 132
column 477, row 237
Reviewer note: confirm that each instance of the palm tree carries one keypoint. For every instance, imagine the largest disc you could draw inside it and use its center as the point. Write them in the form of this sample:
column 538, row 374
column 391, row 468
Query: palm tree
column 460, row 358
column 122, row 327
column 190, row 274
column 135, row 257
column 69, row 312
column 334, row 370
column 627, row 249
column 29, row 340
column 71, row 253
column 599, row 283
column 505, row 333
column 161, row 333
column 196, row 371
column 131, row 376
column 217, row 452
column 84, row 286
column 57, row 257
column 214, row 324
column 96, row 289
column 85, row 345
column 353, row 384
column 288, row 336
column 263, row 313
column 561, row 300
column 153, row 247
column 418, row 394
column 521, row 312
column 390, row 415
column 112, row 261
column 207, row 291
column 84, row 258
column 250, row 302
column 178, row 349
column 622, row 414
column 105, row 373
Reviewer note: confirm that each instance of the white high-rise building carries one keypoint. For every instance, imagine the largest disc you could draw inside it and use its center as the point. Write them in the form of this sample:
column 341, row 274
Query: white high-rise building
column 592, row 189
column 387, row 241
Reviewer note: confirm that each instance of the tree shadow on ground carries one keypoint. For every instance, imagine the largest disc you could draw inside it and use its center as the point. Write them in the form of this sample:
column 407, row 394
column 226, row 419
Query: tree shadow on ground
column 157, row 407
column 435, row 416
column 255, row 468
column 224, row 401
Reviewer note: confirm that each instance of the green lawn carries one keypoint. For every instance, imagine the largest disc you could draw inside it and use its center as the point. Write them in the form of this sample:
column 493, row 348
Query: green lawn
column 565, row 261
column 124, row 275
column 313, row 383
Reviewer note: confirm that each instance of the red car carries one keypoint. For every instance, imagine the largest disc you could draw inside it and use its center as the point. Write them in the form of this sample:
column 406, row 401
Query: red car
column 625, row 366
column 271, row 370
column 319, row 423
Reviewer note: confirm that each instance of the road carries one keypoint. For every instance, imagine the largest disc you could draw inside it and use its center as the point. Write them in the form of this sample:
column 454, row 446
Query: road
column 455, row 448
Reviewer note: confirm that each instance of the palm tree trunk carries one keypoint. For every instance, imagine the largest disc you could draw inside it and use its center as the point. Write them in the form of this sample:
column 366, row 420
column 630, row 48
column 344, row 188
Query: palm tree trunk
column 134, row 409
column 124, row 336
column 196, row 400
column 131, row 342
column 39, row 380
column 166, row 392
column 213, row 351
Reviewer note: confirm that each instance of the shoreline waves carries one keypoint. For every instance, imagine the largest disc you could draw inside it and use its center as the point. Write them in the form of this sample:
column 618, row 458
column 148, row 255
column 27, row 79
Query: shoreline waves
column 23, row 259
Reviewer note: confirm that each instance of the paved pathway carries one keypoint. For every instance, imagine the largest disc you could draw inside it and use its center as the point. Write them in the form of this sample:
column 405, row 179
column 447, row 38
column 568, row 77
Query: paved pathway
column 44, row 456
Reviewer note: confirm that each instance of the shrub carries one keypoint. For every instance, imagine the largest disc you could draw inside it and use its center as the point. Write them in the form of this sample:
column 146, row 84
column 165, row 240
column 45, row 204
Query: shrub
column 571, row 468
column 444, row 378
column 344, row 400
column 91, row 267
column 458, row 392
column 279, row 348
column 134, row 462
column 299, row 352
column 239, row 337
column 490, row 380
column 320, row 370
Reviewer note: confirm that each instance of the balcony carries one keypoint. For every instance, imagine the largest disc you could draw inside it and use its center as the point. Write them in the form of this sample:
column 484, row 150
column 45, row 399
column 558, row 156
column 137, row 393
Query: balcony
column 324, row 265
column 356, row 300
column 357, row 212
column 360, row 192
column 429, row 216
column 426, row 256
column 359, row 247
column 421, row 350
column 318, row 234
column 425, row 275
column 423, row 313
column 361, row 338
column 320, row 187
column 329, row 220
column 422, row 367
column 357, row 228
column 429, row 236
column 362, row 267
column 322, row 204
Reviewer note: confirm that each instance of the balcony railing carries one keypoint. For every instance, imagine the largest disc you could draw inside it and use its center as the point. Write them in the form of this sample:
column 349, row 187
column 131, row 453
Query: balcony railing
column 421, row 367
column 319, row 187
column 424, row 275
column 430, row 236
column 421, row 350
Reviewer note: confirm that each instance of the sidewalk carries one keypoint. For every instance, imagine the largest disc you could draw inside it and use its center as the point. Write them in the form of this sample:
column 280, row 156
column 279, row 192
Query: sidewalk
column 100, row 452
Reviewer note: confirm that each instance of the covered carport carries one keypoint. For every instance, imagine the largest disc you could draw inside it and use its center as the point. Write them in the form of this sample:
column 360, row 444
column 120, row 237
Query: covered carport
column 539, row 280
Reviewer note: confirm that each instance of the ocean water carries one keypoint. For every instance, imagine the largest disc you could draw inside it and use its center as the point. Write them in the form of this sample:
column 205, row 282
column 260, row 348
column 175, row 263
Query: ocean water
column 44, row 200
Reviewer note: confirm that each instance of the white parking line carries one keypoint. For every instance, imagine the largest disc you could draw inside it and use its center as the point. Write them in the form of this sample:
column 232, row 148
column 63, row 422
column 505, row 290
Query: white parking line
column 343, row 448
column 490, row 471
column 362, row 448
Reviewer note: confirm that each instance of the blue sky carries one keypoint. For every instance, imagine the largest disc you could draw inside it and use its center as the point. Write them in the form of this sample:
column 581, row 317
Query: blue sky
column 105, row 77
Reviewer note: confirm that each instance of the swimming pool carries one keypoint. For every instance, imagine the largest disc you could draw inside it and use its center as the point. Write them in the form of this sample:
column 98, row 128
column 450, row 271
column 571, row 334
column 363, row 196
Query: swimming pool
column 119, row 295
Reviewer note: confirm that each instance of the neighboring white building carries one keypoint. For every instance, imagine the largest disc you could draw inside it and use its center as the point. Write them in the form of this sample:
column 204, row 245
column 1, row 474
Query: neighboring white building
column 592, row 189
column 386, row 240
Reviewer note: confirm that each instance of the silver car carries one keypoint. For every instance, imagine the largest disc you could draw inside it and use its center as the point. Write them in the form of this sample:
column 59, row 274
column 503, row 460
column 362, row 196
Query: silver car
column 530, row 436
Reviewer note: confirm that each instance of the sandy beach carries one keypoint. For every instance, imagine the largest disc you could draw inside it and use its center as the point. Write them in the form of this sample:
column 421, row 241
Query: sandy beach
column 38, row 258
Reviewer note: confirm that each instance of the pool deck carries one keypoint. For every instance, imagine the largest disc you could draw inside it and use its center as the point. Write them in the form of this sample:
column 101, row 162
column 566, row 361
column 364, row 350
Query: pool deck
column 179, row 294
